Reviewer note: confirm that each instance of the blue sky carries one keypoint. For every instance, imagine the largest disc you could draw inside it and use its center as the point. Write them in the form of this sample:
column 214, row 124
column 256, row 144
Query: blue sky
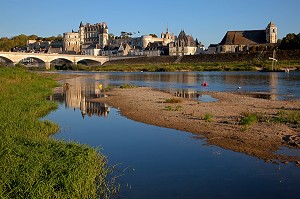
column 206, row 20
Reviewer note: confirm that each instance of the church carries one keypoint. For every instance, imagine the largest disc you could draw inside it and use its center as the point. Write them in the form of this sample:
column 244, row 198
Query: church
column 240, row 41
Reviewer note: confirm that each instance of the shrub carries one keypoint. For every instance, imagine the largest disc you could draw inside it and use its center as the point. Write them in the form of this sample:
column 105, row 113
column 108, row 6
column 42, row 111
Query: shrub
column 208, row 117
column 173, row 100
column 249, row 119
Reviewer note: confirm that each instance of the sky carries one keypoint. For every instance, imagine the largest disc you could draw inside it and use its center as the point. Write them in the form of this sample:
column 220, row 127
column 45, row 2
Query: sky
column 206, row 20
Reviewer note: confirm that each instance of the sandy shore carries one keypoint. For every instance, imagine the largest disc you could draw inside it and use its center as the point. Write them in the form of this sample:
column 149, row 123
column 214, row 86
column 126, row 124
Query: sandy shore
column 260, row 140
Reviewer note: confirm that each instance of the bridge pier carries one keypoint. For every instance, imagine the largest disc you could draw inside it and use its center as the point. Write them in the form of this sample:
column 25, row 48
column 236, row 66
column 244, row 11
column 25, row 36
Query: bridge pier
column 47, row 65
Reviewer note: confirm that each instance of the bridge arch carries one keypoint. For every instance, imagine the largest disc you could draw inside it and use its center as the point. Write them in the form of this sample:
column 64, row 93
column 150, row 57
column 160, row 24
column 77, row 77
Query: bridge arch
column 6, row 61
column 61, row 63
column 61, row 58
column 89, row 62
column 32, row 61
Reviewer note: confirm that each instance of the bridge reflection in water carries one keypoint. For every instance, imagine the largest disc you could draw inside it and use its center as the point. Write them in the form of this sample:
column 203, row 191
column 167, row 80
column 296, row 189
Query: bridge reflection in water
column 77, row 98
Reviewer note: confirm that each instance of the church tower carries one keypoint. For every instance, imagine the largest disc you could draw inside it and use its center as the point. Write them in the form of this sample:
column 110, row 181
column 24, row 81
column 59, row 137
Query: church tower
column 271, row 33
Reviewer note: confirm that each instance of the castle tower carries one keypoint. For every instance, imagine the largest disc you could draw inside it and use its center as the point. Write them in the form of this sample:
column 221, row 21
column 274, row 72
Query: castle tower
column 103, row 36
column 271, row 33
column 71, row 42
column 167, row 37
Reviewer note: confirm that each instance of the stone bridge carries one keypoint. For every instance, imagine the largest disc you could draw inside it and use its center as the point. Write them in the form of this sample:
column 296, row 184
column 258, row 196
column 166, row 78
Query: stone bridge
column 44, row 60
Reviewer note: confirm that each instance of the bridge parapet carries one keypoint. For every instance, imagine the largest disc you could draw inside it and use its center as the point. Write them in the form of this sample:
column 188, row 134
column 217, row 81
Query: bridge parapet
column 16, row 57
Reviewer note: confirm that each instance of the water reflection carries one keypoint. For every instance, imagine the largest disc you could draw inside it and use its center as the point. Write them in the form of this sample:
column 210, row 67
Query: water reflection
column 74, row 95
column 280, row 86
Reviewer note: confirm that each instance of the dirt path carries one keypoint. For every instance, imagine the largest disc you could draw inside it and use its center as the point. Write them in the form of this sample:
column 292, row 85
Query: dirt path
column 260, row 140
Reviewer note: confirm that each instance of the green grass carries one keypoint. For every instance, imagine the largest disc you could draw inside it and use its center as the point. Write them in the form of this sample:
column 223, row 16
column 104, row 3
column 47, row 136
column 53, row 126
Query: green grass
column 249, row 119
column 31, row 164
column 288, row 117
column 208, row 117
column 165, row 67
column 171, row 108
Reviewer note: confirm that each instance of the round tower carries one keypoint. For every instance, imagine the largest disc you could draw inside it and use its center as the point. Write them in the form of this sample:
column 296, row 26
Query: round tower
column 271, row 33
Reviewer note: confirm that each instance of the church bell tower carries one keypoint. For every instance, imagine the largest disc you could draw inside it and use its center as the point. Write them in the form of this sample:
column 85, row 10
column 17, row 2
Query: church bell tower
column 271, row 33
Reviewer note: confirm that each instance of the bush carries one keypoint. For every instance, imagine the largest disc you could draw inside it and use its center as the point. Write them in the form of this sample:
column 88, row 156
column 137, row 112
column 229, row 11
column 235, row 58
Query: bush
column 208, row 117
column 173, row 100
column 249, row 119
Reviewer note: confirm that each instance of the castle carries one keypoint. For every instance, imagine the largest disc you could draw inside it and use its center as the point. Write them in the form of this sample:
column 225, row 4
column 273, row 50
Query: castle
column 88, row 36
column 94, row 40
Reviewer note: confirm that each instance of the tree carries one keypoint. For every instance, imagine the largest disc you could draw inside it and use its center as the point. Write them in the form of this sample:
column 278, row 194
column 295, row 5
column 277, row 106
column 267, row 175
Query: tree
column 32, row 37
column 290, row 42
column 59, row 38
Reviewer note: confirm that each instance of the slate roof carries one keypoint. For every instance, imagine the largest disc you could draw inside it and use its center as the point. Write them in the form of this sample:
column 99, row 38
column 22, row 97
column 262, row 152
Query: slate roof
column 183, row 37
column 247, row 37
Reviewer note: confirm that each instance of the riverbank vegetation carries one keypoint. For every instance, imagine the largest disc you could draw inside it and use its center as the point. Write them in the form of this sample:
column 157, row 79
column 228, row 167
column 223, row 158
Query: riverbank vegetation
column 171, row 67
column 284, row 116
column 32, row 165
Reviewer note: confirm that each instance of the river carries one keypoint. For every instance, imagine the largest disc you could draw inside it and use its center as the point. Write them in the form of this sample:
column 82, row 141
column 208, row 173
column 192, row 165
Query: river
column 167, row 163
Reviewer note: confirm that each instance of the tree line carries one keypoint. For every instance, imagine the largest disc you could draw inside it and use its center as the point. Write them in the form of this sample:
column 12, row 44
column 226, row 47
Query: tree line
column 290, row 42
column 7, row 44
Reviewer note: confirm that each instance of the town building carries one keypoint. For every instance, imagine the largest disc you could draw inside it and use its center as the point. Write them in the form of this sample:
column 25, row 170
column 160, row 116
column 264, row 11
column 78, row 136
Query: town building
column 212, row 49
column 38, row 46
column 239, row 41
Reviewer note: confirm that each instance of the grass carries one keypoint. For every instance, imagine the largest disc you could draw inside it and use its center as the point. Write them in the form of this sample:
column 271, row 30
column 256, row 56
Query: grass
column 171, row 108
column 173, row 100
column 31, row 164
column 288, row 117
column 170, row 67
column 208, row 117
column 249, row 119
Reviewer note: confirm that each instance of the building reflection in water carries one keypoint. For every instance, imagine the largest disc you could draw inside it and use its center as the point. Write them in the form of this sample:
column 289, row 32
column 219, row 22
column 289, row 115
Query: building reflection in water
column 191, row 94
column 273, row 84
column 78, row 95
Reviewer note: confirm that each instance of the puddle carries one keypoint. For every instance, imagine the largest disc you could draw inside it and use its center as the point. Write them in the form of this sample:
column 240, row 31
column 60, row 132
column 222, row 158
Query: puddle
column 288, row 151
column 194, row 95
column 206, row 98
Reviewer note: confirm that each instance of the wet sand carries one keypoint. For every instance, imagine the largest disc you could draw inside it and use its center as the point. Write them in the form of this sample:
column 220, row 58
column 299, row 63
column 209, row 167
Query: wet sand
column 260, row 140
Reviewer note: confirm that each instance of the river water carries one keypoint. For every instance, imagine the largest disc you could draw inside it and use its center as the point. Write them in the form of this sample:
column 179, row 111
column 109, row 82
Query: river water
column 167, row 163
